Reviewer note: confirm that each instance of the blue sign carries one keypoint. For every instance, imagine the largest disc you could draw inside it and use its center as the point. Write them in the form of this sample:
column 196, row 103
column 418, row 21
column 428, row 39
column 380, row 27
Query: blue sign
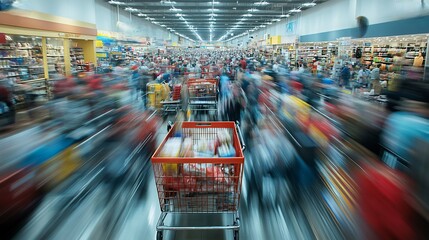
column 290, row 27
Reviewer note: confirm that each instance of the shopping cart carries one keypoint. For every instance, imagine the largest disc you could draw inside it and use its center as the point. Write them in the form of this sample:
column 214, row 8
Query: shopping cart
column 203, row 95
column 174, row 103
column 156, row 93
column 203, row 185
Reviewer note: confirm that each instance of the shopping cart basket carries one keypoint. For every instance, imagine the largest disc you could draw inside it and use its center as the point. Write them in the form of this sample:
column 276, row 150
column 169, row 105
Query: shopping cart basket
column 203, row 95
column 204, row 185
column 174, row 103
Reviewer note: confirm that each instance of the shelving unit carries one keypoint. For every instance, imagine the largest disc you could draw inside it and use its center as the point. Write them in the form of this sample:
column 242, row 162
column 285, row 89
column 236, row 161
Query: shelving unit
column 77, row 58
column 55, row 57
column 21, row 58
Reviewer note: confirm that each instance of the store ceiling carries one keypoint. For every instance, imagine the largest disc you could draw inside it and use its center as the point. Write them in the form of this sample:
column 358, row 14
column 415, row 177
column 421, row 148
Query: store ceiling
column 210, row 20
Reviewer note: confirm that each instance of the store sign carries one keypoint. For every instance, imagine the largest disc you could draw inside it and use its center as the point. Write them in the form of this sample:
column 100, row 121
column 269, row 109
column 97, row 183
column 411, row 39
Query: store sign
column 101, row 55
column 290, row 27
column 69, row 35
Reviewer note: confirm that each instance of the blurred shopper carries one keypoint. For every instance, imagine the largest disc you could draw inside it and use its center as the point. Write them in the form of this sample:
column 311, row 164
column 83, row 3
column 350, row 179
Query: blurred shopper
column 345, row 76
column 407, row 126
column 375, row 74
column 363, row 76
column 6, row 100
column 134, row 83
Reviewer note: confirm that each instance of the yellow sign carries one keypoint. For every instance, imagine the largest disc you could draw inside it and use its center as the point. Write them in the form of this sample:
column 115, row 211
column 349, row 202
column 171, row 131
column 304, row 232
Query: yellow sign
column 99, row 44
column 101, row 55
column 69, row 35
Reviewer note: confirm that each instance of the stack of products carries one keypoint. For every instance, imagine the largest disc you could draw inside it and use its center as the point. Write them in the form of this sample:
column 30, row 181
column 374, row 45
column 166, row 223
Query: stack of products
column 199, row 177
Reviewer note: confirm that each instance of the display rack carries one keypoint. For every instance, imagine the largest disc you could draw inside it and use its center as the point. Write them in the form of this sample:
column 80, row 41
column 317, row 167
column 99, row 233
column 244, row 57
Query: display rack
column 21, row 58
column 77, row 58
column 55, row 57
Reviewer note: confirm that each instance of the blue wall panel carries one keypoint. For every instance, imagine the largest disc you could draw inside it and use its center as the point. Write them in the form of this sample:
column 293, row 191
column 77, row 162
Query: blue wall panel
column 417, row 25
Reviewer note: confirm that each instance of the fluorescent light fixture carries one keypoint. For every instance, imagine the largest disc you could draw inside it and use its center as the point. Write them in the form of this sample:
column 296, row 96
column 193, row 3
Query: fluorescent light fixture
column 285, row 15
column 243, row 19
column 261, row 3
column 295, row 10
column 179, row 15
column 213, row 2
column 252, row 10
column 213, row 9
column 173, row 9
column 211, row 23
column 276, row 20
column 212, row 14
column 168, row 2
column 269, row 23
column 312, row 4
column 163, row 25
column 262, row 26
column 155, row 22
column 130, row 9
column 247, row 15
column 116, row 3
column 149, row 18
column 141, row 15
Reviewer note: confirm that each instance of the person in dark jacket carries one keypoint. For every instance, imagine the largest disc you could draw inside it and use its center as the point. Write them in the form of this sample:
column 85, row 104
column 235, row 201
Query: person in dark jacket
column 345, row 76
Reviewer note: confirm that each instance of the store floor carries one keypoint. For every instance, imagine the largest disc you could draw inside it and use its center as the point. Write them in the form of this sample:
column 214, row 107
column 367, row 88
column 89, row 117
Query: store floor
column 123, row 212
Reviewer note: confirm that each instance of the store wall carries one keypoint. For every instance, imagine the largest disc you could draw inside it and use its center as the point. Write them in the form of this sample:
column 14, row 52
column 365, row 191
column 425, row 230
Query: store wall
column 107, row 20
column 80, row 10
column 337, row 18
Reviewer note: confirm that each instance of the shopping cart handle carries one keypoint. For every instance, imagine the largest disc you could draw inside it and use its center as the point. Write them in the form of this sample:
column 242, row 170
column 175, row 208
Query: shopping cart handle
column 240, row 136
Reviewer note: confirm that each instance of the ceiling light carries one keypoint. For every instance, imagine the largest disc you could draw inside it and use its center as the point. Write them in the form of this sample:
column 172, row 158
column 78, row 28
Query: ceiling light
column 173, row 9
column 213, row 2
column 276, row 20
column 262, row 26
column 262, row 3
column 252, row 10
column 163, row 25
column 179, row 15
column 295, row 10
column 141, row 15
column 116, row 3
column 269, row 23
column 213, row 14
column 312, row 4
column 285, row 15
column 247, row 15
column 155, row 22
column 130, row 9
column 213, row 9
column 234, row 8
column 243, row 19
column 168, row 2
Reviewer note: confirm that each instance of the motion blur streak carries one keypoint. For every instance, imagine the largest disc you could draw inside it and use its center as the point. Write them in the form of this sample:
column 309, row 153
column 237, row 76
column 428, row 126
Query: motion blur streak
column 321, row 162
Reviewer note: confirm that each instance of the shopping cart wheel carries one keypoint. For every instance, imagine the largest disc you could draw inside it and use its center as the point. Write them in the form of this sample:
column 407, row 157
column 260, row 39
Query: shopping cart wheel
column 159, row 235
column 236, row 235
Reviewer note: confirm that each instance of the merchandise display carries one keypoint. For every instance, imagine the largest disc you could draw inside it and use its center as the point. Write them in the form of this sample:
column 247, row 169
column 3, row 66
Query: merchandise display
column 21, row 58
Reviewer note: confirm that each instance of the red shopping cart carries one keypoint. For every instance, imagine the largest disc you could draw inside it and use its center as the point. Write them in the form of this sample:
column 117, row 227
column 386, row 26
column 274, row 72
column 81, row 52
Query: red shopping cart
column 203, row 183
column 203, row 96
